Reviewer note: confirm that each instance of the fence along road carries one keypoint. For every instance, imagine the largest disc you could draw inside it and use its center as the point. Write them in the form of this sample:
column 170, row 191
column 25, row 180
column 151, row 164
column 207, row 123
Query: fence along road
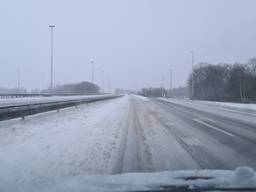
column 22, row 108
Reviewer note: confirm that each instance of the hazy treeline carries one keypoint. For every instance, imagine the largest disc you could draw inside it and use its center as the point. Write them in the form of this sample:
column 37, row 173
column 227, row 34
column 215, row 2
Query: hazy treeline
column 4, row 90
column 180, row 92
column 119, row 91
column 83, row 88
column 224, row 82
column 152, row 92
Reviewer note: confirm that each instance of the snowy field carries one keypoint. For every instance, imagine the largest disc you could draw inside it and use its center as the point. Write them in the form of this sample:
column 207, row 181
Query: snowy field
column 242, row 108
column 236, row 106
column 73, row 141
column 250, row 107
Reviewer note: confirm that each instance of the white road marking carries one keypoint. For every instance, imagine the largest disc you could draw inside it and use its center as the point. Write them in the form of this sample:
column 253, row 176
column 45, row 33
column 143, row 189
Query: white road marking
column 216, row 128
column 171, row 124
column 192, row 141
column 206, row 119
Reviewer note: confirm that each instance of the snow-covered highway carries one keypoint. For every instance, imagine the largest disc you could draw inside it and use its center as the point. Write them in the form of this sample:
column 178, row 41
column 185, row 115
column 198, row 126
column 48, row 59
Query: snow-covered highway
column 126, row 134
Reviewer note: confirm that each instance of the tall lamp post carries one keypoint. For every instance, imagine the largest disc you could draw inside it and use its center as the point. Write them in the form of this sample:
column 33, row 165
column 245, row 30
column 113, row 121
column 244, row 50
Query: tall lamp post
column 171, row 92
column 18, row 80
column 51, row 26
column 92, row 64
column 192, row 77
column 163, row 82
column 103, row 77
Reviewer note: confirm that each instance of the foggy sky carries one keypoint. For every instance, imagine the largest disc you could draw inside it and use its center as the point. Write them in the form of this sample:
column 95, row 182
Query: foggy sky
column 135, row 42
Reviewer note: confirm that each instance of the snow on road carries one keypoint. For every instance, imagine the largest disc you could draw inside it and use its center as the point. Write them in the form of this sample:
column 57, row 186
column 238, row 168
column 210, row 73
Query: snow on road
column 224, row 135
column 246, row 107
column 237, row 106
column 159, row 148
column 114, row 136
column 244, row 112
column 73, row 141
column 126, row 134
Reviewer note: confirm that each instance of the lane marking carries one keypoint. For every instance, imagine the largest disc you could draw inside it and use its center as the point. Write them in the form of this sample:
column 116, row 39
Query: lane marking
column 192, row 141
column 170, row 123
column 216, row 128
column 206, row 119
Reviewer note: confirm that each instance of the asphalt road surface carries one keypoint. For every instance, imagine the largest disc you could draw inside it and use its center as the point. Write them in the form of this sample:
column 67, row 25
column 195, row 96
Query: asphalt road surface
column 180, row 134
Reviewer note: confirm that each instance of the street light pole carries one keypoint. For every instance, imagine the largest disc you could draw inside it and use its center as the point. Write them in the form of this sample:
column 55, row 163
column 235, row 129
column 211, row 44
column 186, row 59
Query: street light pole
column 51, row 26
column 109, row 85
column 171, row 93
column 163, row 82
column 92, row 63
column 192, row 77
column 18, row 80
column 103, row 81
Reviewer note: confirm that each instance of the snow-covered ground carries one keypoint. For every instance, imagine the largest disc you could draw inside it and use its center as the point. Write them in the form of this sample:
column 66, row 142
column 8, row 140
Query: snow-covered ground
column 237, row 106
column 80, row 148
column 73, row 141
column 249, row 107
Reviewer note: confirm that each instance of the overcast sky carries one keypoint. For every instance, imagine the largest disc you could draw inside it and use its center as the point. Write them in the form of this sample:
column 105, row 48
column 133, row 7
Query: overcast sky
column 135, row 42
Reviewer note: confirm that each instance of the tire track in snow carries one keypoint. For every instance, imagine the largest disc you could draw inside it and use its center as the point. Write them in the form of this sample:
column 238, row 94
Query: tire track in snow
column 220, row 151
column 134, row 153
column 169, row 128
column 185, row 146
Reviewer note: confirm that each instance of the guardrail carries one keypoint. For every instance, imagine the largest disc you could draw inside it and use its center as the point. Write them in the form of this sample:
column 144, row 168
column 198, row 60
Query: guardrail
column 19, row 95
column 23, row 110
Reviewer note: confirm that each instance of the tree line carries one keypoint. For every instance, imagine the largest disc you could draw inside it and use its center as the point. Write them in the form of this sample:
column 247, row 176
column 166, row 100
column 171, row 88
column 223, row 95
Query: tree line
column 153, row 92
column 224, row 82
column 80, row 88
column 178, row 92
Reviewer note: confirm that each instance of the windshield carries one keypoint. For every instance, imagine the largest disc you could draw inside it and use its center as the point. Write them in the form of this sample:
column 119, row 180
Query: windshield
column 127, row 95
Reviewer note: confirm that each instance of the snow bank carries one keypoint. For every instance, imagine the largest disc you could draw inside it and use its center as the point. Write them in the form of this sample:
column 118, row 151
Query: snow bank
column 242, row 177
column 227, row 106
column 82, row 140
column 237, row 106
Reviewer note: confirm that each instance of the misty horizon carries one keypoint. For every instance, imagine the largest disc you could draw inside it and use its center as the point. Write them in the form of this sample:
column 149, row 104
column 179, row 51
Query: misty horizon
column 129, row 40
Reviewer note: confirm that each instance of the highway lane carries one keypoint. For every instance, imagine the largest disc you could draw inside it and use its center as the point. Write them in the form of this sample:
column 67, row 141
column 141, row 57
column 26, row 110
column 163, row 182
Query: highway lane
column 175, row 136
column 233, row 134
column 146, row 145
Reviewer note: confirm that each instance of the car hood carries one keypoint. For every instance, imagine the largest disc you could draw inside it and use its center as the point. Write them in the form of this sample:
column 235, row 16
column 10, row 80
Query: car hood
column 187, row 180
